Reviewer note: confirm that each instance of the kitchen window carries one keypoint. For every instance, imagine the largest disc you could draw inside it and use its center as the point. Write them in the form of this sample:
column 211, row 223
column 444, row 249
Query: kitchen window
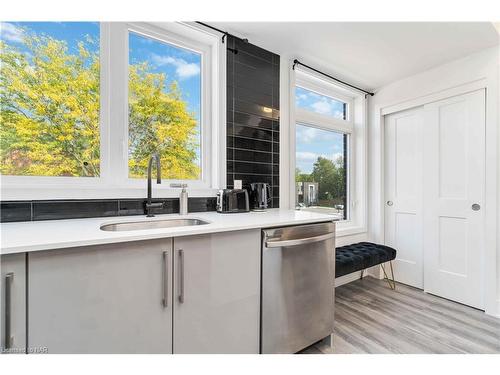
column 328, row 150
column 164, row 101
column 49, row 92
column 321, row 170
column 95, row 100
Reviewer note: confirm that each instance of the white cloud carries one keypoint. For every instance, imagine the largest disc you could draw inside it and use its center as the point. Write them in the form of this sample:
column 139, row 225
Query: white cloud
column 183, row 69
column 322, row 106
column 305, row 160
column 306, row 156
column 11, row 32
column 307, row 134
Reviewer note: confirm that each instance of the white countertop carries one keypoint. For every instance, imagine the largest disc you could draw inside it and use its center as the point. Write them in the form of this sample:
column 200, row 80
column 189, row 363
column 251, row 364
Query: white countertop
column 56, row 234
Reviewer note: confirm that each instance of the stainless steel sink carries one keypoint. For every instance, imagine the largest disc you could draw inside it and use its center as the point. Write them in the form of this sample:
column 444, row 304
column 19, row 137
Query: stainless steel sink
column 151, row 224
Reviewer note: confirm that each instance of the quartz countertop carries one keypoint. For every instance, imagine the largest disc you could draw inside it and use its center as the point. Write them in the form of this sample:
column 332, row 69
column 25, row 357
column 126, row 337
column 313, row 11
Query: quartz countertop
column 58, row 234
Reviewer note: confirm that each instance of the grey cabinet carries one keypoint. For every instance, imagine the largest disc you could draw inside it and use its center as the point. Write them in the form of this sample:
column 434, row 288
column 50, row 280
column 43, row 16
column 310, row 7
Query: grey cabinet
column 102, row 299
column 201, row 295
column 217, row 293
column 13, row 302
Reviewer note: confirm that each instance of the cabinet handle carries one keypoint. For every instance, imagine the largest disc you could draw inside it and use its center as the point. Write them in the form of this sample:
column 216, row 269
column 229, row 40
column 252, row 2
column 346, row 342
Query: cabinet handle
column 9, row 340
column 181, row 276
column 165, row 279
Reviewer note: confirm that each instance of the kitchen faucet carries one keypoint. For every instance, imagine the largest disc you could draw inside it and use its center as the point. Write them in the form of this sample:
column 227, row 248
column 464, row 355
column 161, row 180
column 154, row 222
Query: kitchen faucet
column 149, row 204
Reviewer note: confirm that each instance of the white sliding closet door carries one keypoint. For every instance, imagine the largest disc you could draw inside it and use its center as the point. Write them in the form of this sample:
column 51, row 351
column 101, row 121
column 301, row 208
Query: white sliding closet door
column 453, row 191
column 403, row 194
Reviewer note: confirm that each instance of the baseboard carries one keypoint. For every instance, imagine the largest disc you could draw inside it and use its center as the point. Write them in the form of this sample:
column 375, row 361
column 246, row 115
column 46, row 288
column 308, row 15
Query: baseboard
column 348, row 278
column 495, row 311
column 496, row 314
column 372, row 271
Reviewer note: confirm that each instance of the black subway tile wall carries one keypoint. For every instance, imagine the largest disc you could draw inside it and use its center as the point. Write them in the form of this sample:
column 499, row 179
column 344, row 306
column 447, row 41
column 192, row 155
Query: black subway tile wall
column 15, row 211
column 12, row 211
column 73, row 209
column 253, row 116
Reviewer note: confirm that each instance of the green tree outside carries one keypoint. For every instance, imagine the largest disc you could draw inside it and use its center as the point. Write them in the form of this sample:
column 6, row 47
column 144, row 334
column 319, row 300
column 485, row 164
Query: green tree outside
column 330, row 177
column 50, row 101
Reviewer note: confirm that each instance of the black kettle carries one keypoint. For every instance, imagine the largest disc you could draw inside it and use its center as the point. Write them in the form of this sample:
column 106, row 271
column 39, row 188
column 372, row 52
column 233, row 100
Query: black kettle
column 260, row 196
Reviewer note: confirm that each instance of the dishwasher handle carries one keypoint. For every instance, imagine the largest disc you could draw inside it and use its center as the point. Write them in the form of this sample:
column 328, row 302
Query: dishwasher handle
column 300, row 241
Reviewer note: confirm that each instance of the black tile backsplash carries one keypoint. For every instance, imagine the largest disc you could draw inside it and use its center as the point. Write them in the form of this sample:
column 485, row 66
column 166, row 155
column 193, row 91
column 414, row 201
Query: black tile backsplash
column 250, row 144
column 253, row 108
column 245, row 155
column 253, row 116
column 15, row 211
column 255, row 121
column 73, row 209
column 254, row 50
column 12, row 211
column 249, row 132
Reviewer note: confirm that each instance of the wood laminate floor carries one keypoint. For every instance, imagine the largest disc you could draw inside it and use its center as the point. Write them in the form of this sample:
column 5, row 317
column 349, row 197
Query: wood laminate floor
column 371, row 318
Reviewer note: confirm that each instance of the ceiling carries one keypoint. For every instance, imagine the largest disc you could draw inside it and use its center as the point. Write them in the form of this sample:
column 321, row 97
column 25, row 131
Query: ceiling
column 368, row 54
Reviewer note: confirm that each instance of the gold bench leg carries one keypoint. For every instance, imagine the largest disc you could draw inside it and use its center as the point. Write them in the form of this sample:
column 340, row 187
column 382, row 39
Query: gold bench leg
column 390, row 281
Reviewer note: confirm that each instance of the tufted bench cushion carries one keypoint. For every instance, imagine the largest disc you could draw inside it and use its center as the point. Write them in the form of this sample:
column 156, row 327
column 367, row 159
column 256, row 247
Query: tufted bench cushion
column 358, row 256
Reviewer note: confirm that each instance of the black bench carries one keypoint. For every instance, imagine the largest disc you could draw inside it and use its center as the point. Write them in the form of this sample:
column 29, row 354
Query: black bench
column 363, row 255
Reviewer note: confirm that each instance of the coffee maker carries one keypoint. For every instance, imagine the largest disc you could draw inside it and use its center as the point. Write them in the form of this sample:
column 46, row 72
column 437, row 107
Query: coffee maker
column 259, row 195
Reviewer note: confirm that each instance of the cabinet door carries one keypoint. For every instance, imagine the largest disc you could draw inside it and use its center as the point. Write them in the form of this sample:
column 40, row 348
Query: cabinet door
column 102, row 299
column 13, row 328
column 217, row 293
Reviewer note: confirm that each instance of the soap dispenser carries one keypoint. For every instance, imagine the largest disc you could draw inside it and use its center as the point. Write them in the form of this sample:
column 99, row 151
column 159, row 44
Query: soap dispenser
column 183, row 201
column 183, row 198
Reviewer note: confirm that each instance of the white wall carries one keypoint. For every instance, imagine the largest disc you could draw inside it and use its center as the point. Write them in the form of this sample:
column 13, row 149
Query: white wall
column 479, row 67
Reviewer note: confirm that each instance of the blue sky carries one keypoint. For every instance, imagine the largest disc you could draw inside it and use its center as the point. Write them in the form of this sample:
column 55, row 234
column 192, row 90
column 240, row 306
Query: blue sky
column 312, row 143
column 177, row 63
column 321, row 104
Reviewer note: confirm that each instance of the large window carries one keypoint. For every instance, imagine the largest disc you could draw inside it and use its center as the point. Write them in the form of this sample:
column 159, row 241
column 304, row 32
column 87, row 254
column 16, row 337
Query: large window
column 322, row 149
column 49, row 95
column 164, row 108
column 86, row 104
column 321, row 170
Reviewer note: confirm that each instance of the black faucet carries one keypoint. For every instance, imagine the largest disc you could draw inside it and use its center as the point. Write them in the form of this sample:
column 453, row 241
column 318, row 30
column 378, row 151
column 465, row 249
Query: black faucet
column 149, row 204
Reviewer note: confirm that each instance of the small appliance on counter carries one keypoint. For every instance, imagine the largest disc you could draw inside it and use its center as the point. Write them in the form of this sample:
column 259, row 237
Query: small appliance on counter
column 232, row 201
column 260, row 196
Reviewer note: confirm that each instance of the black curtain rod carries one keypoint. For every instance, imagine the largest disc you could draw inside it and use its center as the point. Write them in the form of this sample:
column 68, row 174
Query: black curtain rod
column 297, row 62
column 225, row 34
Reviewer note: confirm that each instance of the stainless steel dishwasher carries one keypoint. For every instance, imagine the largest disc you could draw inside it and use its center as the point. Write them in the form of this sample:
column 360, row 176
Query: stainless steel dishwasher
column 298, row 275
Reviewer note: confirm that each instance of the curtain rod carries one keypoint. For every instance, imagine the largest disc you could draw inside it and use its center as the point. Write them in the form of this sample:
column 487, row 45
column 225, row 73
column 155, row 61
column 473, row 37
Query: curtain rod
column 297, row 62
column 225, row 34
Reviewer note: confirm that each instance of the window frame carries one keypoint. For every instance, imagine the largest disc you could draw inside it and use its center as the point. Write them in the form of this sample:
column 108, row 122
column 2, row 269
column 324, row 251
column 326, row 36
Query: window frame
column 331, row 128
column 114, row 181
column 354, row 127
column 172, row 38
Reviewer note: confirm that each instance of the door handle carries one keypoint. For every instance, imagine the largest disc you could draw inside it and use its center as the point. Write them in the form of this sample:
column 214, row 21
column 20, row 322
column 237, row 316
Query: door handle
column 300, row 241
column 165, row 279
column 476, row 207
column 181, row 276
column 9, row 339
column 390, row 203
